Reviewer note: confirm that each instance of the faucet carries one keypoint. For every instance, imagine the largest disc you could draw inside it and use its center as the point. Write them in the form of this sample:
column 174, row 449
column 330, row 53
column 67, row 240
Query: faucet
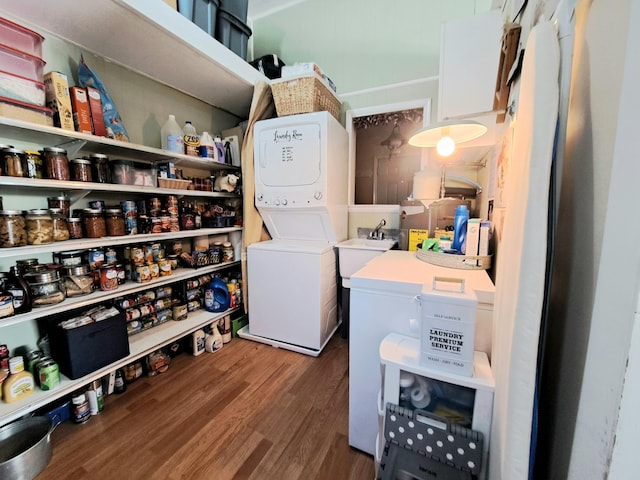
column 376, row 233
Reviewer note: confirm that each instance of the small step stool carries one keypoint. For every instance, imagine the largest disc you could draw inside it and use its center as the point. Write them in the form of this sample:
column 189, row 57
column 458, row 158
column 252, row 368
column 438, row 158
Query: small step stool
column 427, row 447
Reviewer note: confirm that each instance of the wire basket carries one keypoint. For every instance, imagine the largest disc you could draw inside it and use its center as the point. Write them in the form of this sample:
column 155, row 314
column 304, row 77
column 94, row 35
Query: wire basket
column 174, row 183
column 304, row 95
column 450, row 260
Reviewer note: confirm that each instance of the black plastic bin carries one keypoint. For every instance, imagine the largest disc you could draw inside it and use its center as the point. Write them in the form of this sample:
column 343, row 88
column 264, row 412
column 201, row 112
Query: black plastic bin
column 232, row 33
column 238, row 8
column 269, row 65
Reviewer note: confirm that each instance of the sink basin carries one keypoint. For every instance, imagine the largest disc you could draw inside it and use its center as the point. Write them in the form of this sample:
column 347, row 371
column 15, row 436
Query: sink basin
column 353, row 254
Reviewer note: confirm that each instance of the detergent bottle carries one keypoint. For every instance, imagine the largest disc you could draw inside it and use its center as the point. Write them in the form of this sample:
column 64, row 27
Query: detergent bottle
column 460, row 227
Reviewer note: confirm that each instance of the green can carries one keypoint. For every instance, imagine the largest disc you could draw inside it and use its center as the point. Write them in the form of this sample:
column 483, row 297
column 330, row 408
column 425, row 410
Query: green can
column 49, row 375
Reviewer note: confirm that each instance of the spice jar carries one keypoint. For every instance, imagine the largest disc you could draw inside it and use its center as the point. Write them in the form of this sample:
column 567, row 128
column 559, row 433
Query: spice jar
column 94, row 224
column 60, row 228
column 74, row 225
column 14, row 162
column 39, row 227
column 81, row 170
column 13, row 230
column 56, row 163
column 78, row 280
column 101, row 170
column 34, row 163
column 46, row 288
column 115, row 222
column 62, row 202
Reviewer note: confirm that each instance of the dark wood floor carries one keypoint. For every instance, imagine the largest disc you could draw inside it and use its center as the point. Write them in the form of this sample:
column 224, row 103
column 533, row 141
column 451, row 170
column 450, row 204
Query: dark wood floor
column 248, row 411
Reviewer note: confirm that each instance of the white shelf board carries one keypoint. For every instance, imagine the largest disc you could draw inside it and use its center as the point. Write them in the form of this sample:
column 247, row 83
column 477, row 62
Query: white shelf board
column 127, row 288
column 43, row 136
column 140, row 345
column 150, row 38
column 106, row 241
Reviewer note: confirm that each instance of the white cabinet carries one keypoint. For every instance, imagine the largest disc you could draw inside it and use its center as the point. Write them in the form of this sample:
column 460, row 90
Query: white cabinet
column 464, row 401
column 469, row 60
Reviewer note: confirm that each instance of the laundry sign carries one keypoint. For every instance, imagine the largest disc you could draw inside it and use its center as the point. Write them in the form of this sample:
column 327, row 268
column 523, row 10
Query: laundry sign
column 448, row 315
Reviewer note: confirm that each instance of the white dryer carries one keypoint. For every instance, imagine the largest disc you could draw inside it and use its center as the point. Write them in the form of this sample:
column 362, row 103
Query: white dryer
column 301, row 168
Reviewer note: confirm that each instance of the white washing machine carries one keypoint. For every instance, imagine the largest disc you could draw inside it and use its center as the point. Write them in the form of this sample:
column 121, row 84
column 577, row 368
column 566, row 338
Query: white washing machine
column 301, row 168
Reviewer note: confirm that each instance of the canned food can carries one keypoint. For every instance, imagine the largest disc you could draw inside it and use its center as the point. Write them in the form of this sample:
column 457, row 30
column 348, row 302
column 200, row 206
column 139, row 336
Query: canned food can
column 162, row 303
column 137, row 255
column 148, row 253
column 33, row 357
column 48, row 375
column 164, row 292
column 164, row 266
column 142, row 274
column 157, row 251
column 131, row 314
column 81, row 411
column 180, row 312
column 130, row 212
column 110, row 255
column 163, row 315
column 97, row 204
column 165, row 223
column 155, row 205
column 172, row 205
column 108, row 278
column 146, row 309
column 128, row 271
column 95, row 258
column 154, row 270
column 156, row 225
column 193, row 305
column 122, row 274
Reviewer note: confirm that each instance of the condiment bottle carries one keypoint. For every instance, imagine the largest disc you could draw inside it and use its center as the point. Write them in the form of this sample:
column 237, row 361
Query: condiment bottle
column 20, row 290
column 19, row 384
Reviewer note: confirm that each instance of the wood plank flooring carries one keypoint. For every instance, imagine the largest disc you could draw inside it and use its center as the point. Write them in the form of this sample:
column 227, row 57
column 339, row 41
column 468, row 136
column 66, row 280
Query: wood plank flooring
column 248, row 411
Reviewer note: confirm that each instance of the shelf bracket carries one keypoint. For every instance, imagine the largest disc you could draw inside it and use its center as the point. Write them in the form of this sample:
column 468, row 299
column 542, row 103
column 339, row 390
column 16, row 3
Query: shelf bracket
column 72, row 147
column 77, row 195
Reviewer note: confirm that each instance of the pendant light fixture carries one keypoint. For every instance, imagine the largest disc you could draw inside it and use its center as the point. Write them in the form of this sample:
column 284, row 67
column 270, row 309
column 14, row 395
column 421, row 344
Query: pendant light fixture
column 446, row 135
column 395, row 140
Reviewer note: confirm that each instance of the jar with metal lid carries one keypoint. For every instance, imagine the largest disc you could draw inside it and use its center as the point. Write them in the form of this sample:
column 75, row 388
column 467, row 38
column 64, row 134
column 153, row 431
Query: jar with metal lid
column 13, row 230
column 23, row 266
column 60, row 228
column 46, row 288
column 115, row 222
column 227, row 252
column 72, row 258
column 62, row 202
column 74, row 225
column 39, row 227
column 94, row 224
column 78, row 280
column 81, row 170
column 101, row 171
column 35, row 165
column 14, row 163
column 56, row 163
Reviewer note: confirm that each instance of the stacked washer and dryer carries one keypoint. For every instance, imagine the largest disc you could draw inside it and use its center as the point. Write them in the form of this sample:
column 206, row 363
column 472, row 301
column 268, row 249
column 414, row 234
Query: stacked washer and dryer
column 301, row 174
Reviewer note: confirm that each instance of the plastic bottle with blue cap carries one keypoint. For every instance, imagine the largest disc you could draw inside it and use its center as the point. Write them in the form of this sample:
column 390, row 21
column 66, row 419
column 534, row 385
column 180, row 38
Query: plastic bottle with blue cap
column 460, row 227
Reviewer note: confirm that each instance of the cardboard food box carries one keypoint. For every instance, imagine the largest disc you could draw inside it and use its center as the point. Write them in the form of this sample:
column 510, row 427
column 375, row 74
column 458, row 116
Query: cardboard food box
column 95, row 107
column 416, row 236
column 58, row 99
column 448, row 314
column 80, row 108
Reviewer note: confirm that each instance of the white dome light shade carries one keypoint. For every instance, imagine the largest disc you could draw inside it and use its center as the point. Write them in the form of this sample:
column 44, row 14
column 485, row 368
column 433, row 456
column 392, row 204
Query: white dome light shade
column 458, row 130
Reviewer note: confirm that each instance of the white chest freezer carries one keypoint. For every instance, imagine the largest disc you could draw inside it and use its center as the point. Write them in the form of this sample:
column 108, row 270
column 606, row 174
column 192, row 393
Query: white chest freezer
column 383, row 300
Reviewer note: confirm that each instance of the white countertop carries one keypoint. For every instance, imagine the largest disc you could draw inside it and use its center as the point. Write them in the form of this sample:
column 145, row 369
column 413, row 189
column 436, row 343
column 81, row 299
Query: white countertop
column 395, row 269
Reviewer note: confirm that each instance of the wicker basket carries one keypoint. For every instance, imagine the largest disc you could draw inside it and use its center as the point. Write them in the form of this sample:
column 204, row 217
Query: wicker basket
column 304, row 95
column 174, row 183
column 461, row 262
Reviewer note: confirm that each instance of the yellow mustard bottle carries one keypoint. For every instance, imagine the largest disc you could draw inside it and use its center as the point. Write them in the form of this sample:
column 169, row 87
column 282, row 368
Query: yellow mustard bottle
column 19, row 383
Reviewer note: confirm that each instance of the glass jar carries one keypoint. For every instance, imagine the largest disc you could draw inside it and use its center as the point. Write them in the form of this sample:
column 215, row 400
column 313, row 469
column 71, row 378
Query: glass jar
column 56, row 163
column 60, row 228
column 62, row 202
column 81, row 170
column 14, row 164
column 73, row 258
column 78, row 280
column 39, row 227
column 13, row 230
column 115, row 222
column 74, row 225
column 94, row 224
column 227, row 252
column 35, row 166
column 46, row 288
column 101, row 171
column 187, row 221
column 25, row 265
